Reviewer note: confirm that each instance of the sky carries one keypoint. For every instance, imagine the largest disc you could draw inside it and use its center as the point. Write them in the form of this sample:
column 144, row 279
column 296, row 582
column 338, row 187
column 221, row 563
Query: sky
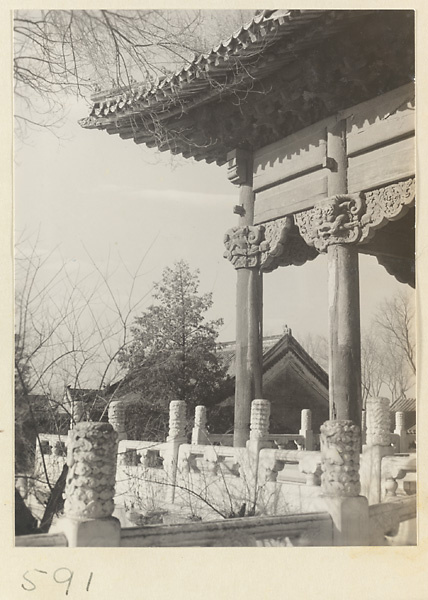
column 93, row 196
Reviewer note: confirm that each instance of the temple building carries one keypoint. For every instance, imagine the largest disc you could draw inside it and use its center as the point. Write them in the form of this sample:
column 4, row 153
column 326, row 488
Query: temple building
column 313, row 113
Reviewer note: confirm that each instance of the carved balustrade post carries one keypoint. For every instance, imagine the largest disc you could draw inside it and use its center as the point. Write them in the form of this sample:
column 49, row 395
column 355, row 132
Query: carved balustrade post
column 363, row 427
column 116, row 417
column 401, row 431
column 306, row 428
column 244, row 245
column 378, row 445
column 90, row 484
column 378, row 422
column 340, row 482
column 259, row 430
column 199, row 432
column 176, row 437
column 78, row 412
column 260, row 414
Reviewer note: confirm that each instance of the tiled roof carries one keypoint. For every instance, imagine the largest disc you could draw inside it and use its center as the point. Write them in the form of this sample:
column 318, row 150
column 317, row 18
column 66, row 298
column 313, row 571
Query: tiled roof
column 234, row 64
column 249, row 41
column 275, row 348
column 403, row 405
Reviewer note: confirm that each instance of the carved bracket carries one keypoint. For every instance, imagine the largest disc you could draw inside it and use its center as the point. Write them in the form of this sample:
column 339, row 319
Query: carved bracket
column 353, row 218
column 285, row 246
column 244, row 246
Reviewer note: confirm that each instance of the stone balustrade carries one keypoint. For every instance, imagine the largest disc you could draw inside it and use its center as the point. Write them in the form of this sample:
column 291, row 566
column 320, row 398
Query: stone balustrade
column 90, row 486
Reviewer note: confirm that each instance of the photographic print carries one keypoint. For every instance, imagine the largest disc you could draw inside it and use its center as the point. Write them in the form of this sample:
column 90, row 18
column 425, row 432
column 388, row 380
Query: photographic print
column 215, row 338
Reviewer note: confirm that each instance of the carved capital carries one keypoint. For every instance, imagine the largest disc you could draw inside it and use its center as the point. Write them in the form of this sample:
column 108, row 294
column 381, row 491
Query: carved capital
column 284, row 245
column 354, row 218
column 244, row 246
column 91, row 460
column 340, row 458
column 335, row 220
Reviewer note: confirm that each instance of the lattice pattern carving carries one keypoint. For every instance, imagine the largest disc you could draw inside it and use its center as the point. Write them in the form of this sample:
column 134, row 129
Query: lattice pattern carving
column 340, row 458
column 244, row 246
column 91, row 460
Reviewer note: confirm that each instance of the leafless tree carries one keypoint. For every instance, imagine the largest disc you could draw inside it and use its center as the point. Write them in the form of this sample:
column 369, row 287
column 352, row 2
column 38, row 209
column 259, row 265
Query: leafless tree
column 70, row 329
column 388, row 364
column 63, row 52
column 395, row 320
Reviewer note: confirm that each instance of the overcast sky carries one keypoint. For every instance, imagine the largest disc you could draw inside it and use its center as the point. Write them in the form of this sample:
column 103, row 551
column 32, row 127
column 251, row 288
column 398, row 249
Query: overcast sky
column 95, row 193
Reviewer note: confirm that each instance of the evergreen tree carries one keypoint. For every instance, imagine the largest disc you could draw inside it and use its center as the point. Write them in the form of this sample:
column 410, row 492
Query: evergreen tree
column 173, row 352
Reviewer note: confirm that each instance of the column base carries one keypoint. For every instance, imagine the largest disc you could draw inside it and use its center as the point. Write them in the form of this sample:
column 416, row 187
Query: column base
column 350, row 517
column 91, row 532
column 370, row 471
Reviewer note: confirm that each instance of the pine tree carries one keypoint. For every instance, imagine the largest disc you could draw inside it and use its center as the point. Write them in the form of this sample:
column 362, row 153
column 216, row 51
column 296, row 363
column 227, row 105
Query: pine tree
column 173, row 352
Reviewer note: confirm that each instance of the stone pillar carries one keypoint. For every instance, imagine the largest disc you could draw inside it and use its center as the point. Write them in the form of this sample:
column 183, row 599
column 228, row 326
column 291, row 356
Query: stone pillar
column 116, row 417
column 199, row 432
column 176, row 437
column 378, row 445
column 306, row 428
column 401, row 431
column 340, row 482
column 243, row 249
column 90, row 483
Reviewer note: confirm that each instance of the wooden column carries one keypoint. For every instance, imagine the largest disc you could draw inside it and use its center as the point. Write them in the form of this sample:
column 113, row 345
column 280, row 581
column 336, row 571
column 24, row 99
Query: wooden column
column 248, row 369
column 344, row 301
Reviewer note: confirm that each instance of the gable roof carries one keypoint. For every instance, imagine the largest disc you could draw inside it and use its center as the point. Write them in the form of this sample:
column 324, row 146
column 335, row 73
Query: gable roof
column 273, row 42
column 278, row 347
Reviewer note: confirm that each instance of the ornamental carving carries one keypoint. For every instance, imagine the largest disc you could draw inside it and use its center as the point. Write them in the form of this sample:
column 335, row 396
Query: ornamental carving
column 260, row 413
column 177, row 420
column 200, row 417
column 354, row 218
column 284, row 245
column 386, row 204
column 244, row 245
column 116, row 417
column 340, row 458
column 378, row 422
column 333, row 220
column 91, row 460
column 403, row 269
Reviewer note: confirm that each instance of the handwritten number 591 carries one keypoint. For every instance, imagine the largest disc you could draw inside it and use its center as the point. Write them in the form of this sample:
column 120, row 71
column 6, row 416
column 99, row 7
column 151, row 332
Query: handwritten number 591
column 61, row 575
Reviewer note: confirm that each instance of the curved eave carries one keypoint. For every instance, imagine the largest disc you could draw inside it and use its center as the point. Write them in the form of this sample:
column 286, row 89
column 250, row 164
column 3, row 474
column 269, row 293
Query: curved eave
column 131, row 111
